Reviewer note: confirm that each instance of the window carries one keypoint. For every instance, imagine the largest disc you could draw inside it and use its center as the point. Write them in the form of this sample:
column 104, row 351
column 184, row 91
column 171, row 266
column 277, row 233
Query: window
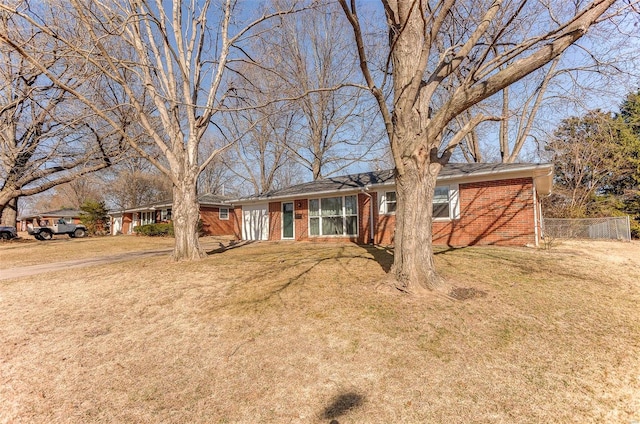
column 390, row 202
column 333, row 216
column 441, row 202
column 445, row 202
column 147, row 218
column 224, row 214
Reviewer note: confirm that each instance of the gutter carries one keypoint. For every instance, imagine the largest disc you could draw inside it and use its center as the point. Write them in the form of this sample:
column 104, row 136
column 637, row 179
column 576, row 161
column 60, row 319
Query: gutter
column 540, row 172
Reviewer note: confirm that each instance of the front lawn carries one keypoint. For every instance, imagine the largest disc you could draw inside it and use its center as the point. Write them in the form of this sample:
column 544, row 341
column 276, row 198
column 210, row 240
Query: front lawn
column 306, row 333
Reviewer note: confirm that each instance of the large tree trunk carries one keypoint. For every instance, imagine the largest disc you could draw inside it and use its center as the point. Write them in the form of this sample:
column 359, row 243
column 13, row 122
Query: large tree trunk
column 185, row 215
column 9, row 213
column 413, row 266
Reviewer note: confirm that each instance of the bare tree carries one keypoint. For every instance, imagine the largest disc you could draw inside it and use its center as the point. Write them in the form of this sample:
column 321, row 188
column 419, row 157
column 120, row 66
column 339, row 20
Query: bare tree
column 47, row 138
column 604, row 63
column 263, row 150
column 217, row 177
column 442, row 61
column 265, row 134
column 135, row 182
column 74, row 193
column 332, row 127
column 167, row 61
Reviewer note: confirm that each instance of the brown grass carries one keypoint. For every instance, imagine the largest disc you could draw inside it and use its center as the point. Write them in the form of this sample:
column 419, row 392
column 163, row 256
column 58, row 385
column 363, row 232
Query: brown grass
column 298, row 333
column 28, row 251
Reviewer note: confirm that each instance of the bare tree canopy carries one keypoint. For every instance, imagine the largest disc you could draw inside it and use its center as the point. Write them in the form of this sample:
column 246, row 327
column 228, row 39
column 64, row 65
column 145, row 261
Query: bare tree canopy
column 333, row 128
column 443, row 58
column 167, row 63
column 47, row 137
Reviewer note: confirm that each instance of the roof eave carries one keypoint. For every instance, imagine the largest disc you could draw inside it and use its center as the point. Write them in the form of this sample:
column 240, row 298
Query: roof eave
column 541, row 173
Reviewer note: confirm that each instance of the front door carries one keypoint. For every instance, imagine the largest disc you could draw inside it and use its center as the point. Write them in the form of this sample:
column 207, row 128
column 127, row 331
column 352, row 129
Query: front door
column 287, row 220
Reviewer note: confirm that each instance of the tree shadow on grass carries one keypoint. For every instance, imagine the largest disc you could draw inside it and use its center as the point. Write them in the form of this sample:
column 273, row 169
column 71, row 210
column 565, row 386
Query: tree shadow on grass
column 448, row 249
column 382, row 255
column 341, row 405
column 230, row 245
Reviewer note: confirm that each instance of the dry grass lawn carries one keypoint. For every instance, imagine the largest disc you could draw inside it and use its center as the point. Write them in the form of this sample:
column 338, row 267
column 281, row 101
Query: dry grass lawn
column 300, row 333
column 29, row 251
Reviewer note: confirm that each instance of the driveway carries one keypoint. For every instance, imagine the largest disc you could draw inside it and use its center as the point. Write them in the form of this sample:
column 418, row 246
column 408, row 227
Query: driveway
column 24, row 271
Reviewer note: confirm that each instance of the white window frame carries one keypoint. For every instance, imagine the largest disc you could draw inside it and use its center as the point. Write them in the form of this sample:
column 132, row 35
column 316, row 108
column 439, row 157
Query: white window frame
column 147, row 217
column 454, row 202
column 343, row 215
column 221, row 216
column 386, row 202
column 164, row 214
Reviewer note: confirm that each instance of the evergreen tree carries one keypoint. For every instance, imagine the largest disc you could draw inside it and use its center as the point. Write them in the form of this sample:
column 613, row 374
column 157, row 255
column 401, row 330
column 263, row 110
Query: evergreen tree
column 597, row 165
column 628, row 187
column 94, row 216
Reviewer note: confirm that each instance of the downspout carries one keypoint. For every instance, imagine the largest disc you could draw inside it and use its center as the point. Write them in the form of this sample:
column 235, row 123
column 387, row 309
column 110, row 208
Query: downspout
column 365, row 191
column 536, row 217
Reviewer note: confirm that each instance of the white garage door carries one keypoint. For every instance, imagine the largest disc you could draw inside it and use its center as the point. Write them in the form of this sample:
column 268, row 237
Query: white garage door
column 255, row 222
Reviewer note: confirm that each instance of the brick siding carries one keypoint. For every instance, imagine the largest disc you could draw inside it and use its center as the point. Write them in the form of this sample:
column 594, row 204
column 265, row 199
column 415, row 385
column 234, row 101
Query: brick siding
column 491, row 212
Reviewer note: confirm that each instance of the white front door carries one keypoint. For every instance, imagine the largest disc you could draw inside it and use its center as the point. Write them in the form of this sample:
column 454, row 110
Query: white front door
column 255, row 222
column 117, row 225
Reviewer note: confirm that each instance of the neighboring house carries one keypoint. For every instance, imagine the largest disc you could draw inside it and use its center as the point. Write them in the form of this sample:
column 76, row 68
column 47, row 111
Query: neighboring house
column 70, row 216
column 217, row 216
column 473, row 204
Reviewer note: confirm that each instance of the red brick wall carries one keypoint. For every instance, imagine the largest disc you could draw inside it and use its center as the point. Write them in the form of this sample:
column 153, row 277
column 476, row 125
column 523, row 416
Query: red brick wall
column 364, row 216
column 301, row 210
column 212, row 225
column 385, row 229
column 491, row 212
column 275, row 223
column 237, row 221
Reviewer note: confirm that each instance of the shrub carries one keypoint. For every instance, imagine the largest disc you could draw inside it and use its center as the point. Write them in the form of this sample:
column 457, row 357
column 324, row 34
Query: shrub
column 155, row 230
column 635, row 228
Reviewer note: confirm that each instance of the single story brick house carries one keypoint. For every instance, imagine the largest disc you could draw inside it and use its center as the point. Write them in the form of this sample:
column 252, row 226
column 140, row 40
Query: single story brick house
column 216, row 213
column 474, row 204
column 71, row 216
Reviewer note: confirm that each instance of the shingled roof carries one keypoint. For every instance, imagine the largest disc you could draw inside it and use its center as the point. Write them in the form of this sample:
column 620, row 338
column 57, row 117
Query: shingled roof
column 387, row 177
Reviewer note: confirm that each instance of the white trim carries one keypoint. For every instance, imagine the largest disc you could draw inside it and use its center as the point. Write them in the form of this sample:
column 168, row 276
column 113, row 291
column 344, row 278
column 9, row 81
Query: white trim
column 382, row 202
column 454, row 201
column 382, row 206
column 535, row 216
column 541, row 173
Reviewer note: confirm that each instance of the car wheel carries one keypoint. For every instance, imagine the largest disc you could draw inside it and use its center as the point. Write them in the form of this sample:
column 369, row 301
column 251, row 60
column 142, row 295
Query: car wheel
column 79, row 232
column 46, row 235
column 5, row 236
column 38, row 237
